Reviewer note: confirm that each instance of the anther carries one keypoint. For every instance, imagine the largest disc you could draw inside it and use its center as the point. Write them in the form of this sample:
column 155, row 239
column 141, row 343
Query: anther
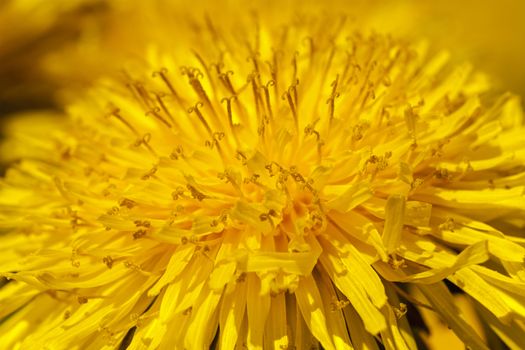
column 252, row 179
column 396, row 263
column 177, row 153
column 401, row 310
column 178, row 193
column 108, row 260
column 448, row 225
column 337, row 304
column 128, row 203
column 240, row 156
column 442, row 174
column 144, row 223
column 149, row 174
column 139, row 234
column 144, row 140
column 217, row 66
column 195, row 193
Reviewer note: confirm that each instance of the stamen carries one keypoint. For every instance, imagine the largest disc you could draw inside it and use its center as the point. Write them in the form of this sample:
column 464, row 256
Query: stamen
column 254, row 59
column 128, row 203
column 162, row 75
column 401, row 310
column 200, row 116
column 150, row 173
column 178, row 193
column 143, row 94
column 177, row 153
column 396, row 263
column 448, row 225
column 242, row 157
column 216, row 137
column 337, row 304
column 218, row 66
column 196, row 194
column 253, row 78
column 228, row 101
column 331, row 100
column 135, row 93
column 265, row 88
column 225, row 79
column 291, row 97
column 144, row 140
column 206, row 69
column 274, row 71
column 155, row 112
column 268, row 217
column 116, row 113
column 139, row 234
column 194, row 74
column 108, row 260
column 410, row 298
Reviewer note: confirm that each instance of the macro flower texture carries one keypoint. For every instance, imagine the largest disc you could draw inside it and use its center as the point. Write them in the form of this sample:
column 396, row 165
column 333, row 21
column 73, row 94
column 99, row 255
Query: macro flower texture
column 277, row 182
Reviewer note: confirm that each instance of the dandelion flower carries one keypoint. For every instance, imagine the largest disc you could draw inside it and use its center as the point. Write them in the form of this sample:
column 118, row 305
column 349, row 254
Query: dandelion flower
column 270, row 187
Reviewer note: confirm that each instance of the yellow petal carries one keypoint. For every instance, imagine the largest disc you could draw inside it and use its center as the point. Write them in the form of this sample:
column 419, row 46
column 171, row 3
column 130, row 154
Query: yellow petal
column 334, row 316
column 258, row 307
column 347, row 196
column 403, row 324
column 311, row 305
column 360, row 227
column 231, row 315
column 203, row 322
column 483, row 292
column 275, row 336
column 178, row 262
column 372, row 318
column 361, row 338
column 356, row 266
column 391, row 337
column 394, row 215
column 474, row 254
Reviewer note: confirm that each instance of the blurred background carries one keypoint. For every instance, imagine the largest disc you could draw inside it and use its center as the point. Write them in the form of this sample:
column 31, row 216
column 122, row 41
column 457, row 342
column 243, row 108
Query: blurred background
column 47, row 46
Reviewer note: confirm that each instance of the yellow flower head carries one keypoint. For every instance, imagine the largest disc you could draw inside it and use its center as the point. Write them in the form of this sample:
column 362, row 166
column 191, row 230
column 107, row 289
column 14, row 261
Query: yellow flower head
column 276, row 187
